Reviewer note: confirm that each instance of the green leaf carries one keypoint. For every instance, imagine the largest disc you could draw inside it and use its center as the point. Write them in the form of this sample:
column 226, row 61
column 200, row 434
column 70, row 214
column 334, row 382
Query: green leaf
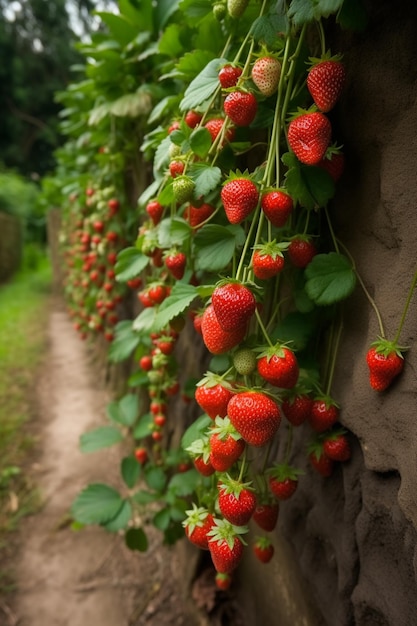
column 138, row 379
column 96, row 504
column 330, row 278
column 215, row 246
column 200, row 142
column 144, row 427
column 136, row 539
column 155, row 478
column 173, row 232
column 195, row 431
column 206, row 178
column 311, row 186
column 102, row 437
column 266, row 27
column 179, row 299
column 145, row 497
column 128, row 409
column 132, row 104
column 162, row 519
column 192, row 63
column 301, row 11
column 125, row 342
column 121, row 520
column 130, row 263
column 184, row 483
column 353, row 16
column 130, row 471
column 296, row 329
column 203, row 86
column 144, row 321
column 120, row 28
column 170, row 41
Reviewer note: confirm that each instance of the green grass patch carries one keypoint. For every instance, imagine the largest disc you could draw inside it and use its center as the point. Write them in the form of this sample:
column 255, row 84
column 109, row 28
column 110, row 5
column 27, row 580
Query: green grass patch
column 24, row 303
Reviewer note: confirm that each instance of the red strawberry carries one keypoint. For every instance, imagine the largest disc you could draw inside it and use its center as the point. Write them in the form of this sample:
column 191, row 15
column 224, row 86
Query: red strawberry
column 263, row 549
column 267, row 261
column 141, row 455
column 333, row 163
column 237, row 501
column 197, row 524
column 226, row 445
column 297, row 408
column 157, row 293
column 325, row 82
column 277, row 206
column 176, row 263
column 225, row 545
column 301, row 251
column 213, row 394
column 215, row 125
column 217, row 340
column 145, row 299
column 336, row 446
column 176, row 168
column 265, row 74
column 309, row 136
column 205, row 468
column 385, row 362
column 229, row 75
column 283, row 481
column 234, row 305
column 192, row 118
column 222, row 581
column 324, row 414
column 145, row 363
column 266, row 515
column 154, row 210
column 319, row 460
column 241, row 107
column 279, row 367
column 255, row 416
column 114, row 205
column 240, row 197
column 197, row 215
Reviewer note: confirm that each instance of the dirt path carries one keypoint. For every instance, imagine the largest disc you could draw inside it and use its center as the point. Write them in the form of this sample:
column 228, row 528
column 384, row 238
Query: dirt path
column 86, row 578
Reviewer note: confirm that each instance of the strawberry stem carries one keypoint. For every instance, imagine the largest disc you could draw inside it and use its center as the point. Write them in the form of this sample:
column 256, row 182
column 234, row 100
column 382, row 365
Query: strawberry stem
column 289, row 444
column 322, row 37
column 335, row 348
column 406, row 307
column 262, row 327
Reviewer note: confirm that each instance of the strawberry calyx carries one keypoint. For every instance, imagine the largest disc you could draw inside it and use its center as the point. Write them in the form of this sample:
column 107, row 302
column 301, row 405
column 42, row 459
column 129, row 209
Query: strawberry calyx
column 272, row 248
column 386, row 347
column 224, row 428
column 237, row 174
column 195, row 517
column 262, row 542
column 222, row 530
column 300, row 111
column 229, row 485
column 283, row 471
column 200, row 448
column 210, row 379
column 327, row 56
column 278, row 349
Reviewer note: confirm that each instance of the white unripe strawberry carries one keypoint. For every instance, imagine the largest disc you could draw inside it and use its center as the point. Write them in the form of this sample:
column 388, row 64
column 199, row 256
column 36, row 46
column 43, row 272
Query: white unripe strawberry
column 265, row 73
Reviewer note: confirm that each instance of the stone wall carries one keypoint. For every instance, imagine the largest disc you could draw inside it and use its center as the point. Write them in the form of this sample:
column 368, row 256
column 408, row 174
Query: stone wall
column 10, row 245
column 346, row 545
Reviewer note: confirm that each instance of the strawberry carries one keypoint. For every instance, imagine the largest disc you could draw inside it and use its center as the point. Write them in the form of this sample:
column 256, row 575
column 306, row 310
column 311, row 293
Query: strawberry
column 278, row 366
column 277, row 206
column 229, row 75
column 176, row 168
column 236, row 8
column 263, row 549
column 336, row 446
column 225, row 545
column 234, row 304
column 197, row 524
column 145, row 362
column 154, row 210
column 319, row 460
column 241, row 107
column 217, row 340
column 192, row 118
column 160, row 420
column 141, row 455
column 266, row 515
column 205, row 468
column 265, row 74
column 333, row 163
column 255, row 416
column 145, row 299
column 222, row 581
column 324, row 414
column 309, row 136
column 240, row 197
column 385, row 362
column 197, row 215
column 215, row 125
column 297, row 408
column 183, row 188
column 213, row 394
column 199, row 451
column 237, row 501
column 283, row 481
column 301, row 251
column 157, row 293
column 226, row 444
column 267, row 260
column 176, row 262
column 325, row 82
column 244, row 361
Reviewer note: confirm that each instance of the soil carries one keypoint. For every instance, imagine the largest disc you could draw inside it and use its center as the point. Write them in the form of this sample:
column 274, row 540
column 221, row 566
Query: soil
column 88, row 577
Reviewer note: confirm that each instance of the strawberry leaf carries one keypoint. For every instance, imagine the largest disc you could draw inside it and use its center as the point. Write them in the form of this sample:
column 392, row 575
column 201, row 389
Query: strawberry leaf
column 173, row 232
column 101, row 437
column 121, row 520
column 205, row 177
column 311, row 186
column 180, row 298
column 215, row 246
column 130, row 471
column 144, row 321
column 96, row 504
column 195, row 431
column 136, row 539
column 266, row 27
column 125, row 342
column 200, row 142
column 130, row 263
column 330, row 278
column 203, row 86
column 304, row 11
column 192, row 63
column 144, row 427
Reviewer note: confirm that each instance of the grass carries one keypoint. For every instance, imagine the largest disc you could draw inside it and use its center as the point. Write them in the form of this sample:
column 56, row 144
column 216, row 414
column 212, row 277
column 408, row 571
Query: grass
column 23, row 314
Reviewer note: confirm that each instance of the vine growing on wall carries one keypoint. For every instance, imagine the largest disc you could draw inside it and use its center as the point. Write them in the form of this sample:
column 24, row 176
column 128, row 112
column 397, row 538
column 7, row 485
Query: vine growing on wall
column 229, row 106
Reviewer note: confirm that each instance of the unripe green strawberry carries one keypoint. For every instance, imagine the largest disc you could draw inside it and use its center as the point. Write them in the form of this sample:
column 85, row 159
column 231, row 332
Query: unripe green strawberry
column 244, row 361
column 219, row 10
column 236, row 8
column 183, row 187
column 265, row 74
